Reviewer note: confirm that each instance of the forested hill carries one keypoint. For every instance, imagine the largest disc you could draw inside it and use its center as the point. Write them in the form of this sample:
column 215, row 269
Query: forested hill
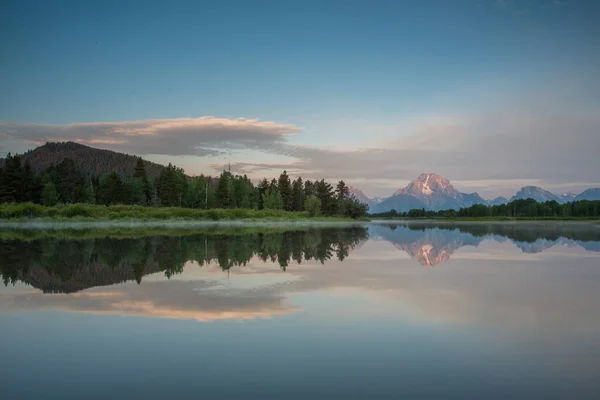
column 89, row 160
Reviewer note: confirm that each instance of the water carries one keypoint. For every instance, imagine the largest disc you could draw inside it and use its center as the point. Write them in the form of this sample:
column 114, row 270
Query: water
column 375, row 311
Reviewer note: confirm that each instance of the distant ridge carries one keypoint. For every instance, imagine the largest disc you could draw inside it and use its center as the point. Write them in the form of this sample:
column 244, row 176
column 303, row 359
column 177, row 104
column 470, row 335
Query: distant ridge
column 90, row 160
column 434, row 192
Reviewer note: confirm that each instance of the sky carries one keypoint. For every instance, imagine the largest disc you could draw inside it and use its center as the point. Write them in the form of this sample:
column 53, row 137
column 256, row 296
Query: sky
column 492, row 94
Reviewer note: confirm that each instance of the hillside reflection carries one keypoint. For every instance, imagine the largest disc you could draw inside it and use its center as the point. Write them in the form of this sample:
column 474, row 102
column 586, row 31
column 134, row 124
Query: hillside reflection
column 67, row 265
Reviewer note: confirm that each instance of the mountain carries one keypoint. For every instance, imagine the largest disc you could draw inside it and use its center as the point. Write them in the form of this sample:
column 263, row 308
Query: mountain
column 536, row 193
column 431, row 192
column 498, row 201
column 90, row 160
column 567, row 197
column 363, row 198
column 589, row 194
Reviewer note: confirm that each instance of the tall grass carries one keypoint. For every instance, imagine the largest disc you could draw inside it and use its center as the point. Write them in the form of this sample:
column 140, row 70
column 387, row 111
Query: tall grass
column 23, row 211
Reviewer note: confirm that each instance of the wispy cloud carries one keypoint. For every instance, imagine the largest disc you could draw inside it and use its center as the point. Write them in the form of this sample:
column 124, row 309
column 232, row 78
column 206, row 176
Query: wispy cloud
column 202, row 136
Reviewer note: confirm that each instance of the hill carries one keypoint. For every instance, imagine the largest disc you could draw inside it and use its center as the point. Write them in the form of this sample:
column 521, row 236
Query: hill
column 90, row 160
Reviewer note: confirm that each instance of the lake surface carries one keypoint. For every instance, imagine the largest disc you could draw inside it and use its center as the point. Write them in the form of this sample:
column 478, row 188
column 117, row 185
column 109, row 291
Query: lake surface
column 377, row 311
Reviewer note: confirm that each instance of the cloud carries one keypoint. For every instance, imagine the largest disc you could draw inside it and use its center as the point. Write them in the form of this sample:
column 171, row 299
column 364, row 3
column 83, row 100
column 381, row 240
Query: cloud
column 535, row 142
column 194, row 300
column 204, row 136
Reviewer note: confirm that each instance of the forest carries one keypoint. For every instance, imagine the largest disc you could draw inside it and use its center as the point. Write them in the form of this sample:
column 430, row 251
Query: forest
column 66, row 183
column 521, row 208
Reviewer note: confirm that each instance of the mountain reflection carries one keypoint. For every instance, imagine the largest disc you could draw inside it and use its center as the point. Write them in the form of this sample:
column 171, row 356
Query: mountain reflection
column 73, row 261
column 433, row 244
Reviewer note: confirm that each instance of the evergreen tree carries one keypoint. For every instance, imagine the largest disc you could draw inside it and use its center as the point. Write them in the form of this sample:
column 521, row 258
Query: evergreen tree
column 325, row 193
column 89, row 193
column 298, row 195
column 111, row 189
column 50, row 195
column 171, row 186
column 223, row 195
column 309, row 189
column 263, row 186
column 78, row 194
column 134, row 192
column 67, row 177
column 285, row 190
column 139, row 171
column 10, row 185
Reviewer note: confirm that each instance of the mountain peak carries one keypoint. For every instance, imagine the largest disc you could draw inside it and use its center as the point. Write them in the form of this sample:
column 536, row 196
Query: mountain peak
column 426, row 184
column 536, row 193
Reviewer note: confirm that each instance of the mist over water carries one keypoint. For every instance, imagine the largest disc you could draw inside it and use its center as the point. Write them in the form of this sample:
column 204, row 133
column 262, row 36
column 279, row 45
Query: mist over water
column 504, row 310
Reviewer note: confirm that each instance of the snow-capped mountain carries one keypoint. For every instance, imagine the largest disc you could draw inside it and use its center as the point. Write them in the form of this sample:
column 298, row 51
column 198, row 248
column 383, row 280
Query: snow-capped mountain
column 536, row 193
column 434, row 192
column 431, row 192
column 567, row 197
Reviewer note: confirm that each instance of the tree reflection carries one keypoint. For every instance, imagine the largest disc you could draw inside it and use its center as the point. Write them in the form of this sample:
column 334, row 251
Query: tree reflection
column 68, row 265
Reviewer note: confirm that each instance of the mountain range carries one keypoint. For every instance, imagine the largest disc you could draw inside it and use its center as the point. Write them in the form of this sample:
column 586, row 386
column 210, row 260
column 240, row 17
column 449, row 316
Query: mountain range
column 434, row 192
column 429, row 191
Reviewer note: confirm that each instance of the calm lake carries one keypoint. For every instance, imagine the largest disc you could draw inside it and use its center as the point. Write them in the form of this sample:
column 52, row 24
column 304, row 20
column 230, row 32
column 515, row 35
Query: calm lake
column 499, row 310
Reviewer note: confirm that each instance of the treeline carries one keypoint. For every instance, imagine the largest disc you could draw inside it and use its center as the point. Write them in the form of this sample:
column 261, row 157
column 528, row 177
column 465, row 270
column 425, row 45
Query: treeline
column 522, row 208
column 65, row 183
column 56, row 265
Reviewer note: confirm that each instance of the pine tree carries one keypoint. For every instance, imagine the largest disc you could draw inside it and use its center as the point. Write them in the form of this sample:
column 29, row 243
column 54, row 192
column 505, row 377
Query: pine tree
column 263, row 186
column 111, row 189
column 298, row 195
column 285, row 189
column 325, row 193
column 223, row 193
column 139, row 171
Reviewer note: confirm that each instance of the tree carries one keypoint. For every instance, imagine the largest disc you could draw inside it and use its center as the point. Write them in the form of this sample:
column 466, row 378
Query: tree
column 171, row 186
column 50, row 195
column 111, row 189
column 89, row 193
column 324, row 192
column 298, row 195
column 309, row 189
column 139, row 171
column 67, row 177
column 134, row 192
column 285, row 189
column 312, row 205
column 263, row 186
column 223, row 195
column 342, row 191
column 197, row 192
column 10, row 184
column 272, row 200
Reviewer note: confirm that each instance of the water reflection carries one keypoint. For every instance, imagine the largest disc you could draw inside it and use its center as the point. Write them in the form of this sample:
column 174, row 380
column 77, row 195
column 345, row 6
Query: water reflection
column 71, row 261
column 433, row 244
column 496, row 319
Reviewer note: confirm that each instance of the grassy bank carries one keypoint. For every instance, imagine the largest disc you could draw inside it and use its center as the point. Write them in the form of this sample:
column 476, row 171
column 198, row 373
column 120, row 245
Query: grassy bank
column 89, row 212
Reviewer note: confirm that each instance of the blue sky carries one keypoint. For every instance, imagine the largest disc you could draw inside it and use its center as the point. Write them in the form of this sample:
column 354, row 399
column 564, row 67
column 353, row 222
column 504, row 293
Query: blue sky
column 389, row 87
